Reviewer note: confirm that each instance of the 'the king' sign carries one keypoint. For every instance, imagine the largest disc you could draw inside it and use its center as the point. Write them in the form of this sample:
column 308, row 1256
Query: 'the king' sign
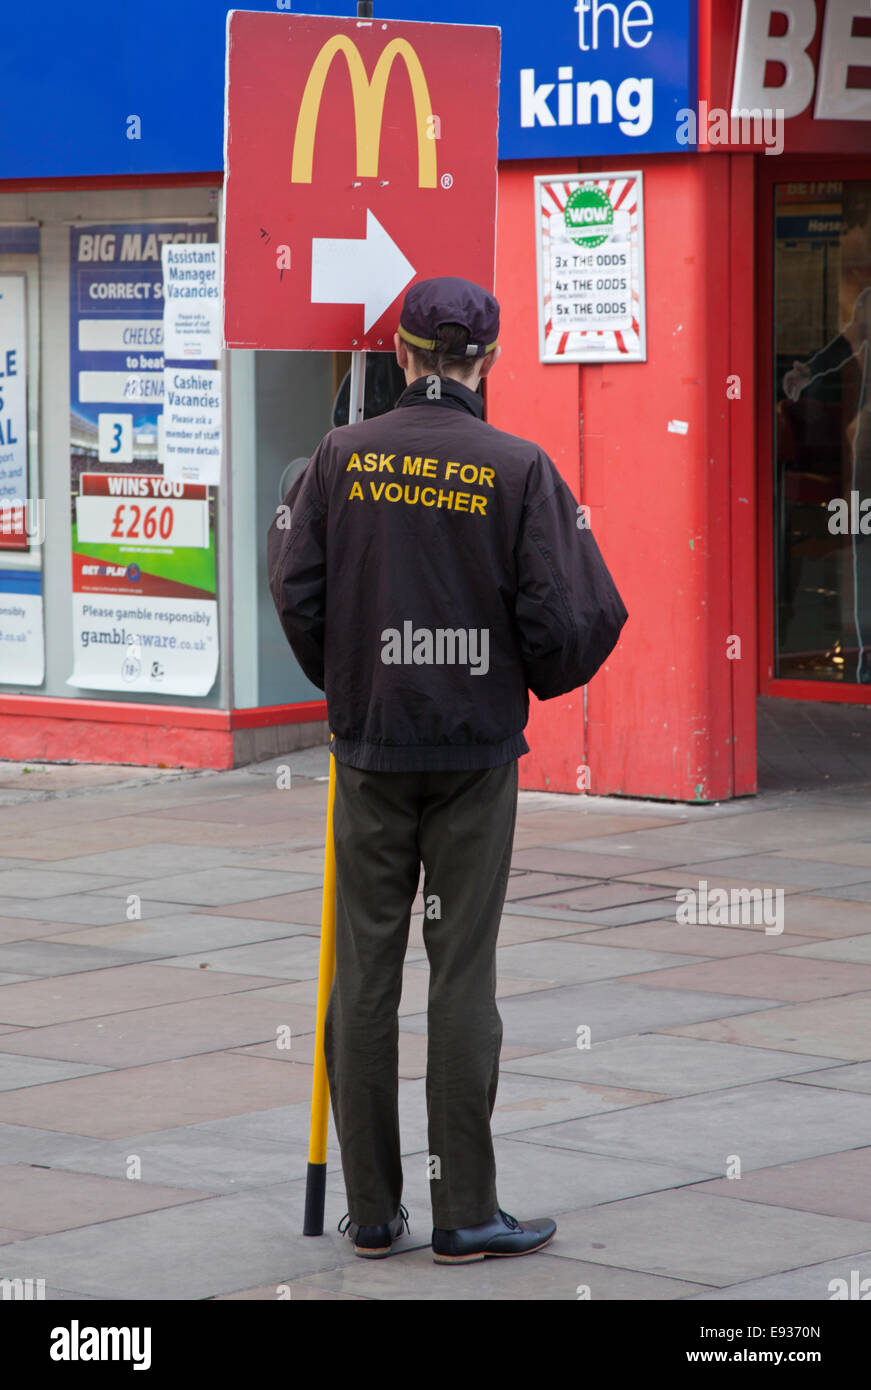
column 360, row 156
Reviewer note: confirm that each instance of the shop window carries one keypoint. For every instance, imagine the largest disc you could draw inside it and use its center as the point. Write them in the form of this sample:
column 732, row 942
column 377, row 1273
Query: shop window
column 822, row 431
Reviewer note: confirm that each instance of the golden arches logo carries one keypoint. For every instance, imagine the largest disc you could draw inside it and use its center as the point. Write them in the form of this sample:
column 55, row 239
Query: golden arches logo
column 368, row 108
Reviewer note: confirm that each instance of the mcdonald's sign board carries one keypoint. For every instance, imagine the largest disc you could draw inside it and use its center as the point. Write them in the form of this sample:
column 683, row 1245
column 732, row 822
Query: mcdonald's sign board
column 360, row 155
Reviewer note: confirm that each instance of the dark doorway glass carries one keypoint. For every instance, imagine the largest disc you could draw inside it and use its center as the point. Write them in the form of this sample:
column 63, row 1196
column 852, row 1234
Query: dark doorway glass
column 822, row 431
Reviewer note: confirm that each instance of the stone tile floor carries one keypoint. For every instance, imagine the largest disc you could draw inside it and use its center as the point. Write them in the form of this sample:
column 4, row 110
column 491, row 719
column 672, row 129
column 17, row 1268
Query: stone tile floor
column 712, row 1142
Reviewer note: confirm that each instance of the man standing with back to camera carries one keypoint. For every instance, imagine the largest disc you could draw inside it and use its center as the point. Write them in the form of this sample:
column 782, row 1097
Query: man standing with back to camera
column 434, row 570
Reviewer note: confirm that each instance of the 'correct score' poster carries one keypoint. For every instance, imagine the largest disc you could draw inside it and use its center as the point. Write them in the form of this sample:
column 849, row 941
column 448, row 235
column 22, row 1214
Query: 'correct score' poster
column 145, row 610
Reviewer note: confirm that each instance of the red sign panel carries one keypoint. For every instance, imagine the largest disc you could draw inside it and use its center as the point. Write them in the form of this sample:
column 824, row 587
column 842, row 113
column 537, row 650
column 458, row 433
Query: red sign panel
column 804, row 68
column 360, row 156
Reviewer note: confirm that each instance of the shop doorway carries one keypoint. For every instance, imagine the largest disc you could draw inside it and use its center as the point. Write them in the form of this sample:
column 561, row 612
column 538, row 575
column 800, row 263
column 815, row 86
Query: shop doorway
column 815, row 430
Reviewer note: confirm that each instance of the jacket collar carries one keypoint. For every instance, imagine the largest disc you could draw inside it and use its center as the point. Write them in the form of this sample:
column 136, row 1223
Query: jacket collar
column 453, row 394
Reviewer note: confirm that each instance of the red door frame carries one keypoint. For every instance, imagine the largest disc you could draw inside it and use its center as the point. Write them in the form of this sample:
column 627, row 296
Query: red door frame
column 768, row 173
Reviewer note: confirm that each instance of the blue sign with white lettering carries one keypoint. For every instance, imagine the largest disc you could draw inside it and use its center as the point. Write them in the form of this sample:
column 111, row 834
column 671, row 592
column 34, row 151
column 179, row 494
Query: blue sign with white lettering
column 579, row 77
column 590, row 77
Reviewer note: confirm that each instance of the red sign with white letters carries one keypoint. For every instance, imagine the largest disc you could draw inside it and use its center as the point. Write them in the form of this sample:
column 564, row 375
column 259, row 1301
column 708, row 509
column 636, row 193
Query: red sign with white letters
column 360, row 157
column 807, row 63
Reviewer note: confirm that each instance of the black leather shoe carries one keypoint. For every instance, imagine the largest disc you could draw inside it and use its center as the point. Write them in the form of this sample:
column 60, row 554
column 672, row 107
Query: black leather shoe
column 374, row 1242
column 501, row 1235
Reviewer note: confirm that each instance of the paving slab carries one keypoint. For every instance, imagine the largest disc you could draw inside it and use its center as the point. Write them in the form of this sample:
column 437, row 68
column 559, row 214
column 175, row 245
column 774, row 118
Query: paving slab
column 304, row 907
column 769, row 976
column 527, row 884
column 548, row 1275
column 827, row 917
column 525, row 1103
column 298, row 860
column 9, row 863
column 583, row 864
column 839, row 1027
column 295, row 957
column 90, row 994
column 26, row 1144
column 761, row 1124
column 781, row 868
column 693, row 940
column 709, row 879
column 179, row 933
column 197, row 1250
column 855, row 1077
column 164, row 1095
column 42, row 1200
column 769, row 829
column 596, row 896
column 158, row 857
column 670, row 1065
column 570, row 962
column 83, row 909
column 847, row 948
column 276, row 810
column 70, row 812
column 294, row 1291
column 31, row 929
column 834, row 1184
column 43, row 958
column 38, row 776
column 515, row 929
column 187, row 831
column 822, row 1281
column 282, row 1123
column 685, row 1235
column 163, row 1032
column 16, row 1072
column 571, row 828
column 216, row 887
column 854, row 892
column 549, row 1019
column 193, row 1157
column 40, row 882
column 853, row 852
column 656, row 909
column 535, row 1180
column 668, row 847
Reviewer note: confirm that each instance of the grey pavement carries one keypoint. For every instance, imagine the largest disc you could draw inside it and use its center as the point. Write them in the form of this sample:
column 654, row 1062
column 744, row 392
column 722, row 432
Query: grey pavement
column 690, row 1100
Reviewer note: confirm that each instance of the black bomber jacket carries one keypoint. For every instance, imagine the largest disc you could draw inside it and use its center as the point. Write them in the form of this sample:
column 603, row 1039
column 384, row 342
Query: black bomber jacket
column 428, row 570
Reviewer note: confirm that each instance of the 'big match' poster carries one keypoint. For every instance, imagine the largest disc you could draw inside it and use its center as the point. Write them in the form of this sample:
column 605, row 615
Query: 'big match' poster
column 145, row 609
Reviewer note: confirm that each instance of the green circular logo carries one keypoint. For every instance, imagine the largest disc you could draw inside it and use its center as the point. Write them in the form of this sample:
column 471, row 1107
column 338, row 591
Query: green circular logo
column 589, row 216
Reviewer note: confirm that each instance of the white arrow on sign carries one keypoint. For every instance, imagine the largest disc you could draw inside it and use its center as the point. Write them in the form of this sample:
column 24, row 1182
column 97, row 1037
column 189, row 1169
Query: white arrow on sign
column 371, row 271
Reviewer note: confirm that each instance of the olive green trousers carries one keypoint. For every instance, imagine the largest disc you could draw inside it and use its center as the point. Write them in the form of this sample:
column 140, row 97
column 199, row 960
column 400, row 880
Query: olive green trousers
column 460, row 825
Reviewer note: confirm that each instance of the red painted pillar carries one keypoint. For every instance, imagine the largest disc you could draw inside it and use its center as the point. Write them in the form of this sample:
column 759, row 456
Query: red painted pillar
column 539, row 403
column 660, row 453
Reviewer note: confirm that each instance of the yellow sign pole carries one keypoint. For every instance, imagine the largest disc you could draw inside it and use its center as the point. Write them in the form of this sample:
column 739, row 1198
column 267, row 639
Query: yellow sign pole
column 316, row 1176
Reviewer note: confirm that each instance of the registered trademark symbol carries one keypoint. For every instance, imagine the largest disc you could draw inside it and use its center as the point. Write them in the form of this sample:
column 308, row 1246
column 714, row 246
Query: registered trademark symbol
column 447, row 180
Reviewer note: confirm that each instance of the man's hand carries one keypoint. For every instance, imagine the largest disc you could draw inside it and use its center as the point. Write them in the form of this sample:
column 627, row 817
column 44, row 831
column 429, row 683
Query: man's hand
column 796, row 380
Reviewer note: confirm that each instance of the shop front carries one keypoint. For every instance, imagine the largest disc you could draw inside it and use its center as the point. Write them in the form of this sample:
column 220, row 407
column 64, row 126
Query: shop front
column 707, row 401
